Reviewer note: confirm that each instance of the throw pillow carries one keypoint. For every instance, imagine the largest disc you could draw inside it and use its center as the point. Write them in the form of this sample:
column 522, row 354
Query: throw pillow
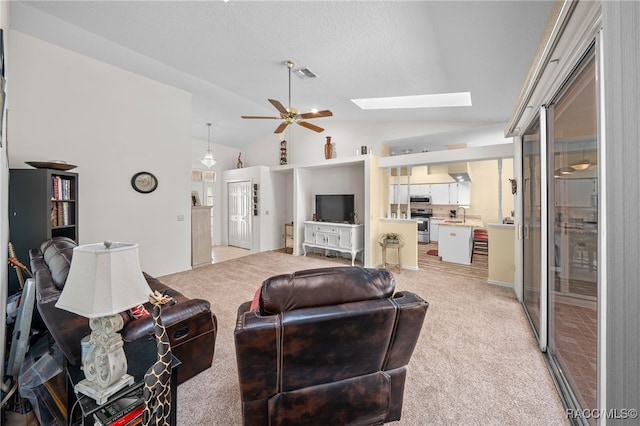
column 255, row 303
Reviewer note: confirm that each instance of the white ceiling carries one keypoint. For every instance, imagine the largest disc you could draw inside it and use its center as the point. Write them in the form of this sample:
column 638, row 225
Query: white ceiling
column 230, row 55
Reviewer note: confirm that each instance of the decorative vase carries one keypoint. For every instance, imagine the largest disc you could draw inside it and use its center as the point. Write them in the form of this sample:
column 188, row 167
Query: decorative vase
column 328, row 148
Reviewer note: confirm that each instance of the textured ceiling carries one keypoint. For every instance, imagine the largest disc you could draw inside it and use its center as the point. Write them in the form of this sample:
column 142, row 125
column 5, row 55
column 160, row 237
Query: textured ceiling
column 230, row 55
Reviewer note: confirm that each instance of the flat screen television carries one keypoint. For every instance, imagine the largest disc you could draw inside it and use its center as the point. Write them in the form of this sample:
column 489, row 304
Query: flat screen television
column 335, row 208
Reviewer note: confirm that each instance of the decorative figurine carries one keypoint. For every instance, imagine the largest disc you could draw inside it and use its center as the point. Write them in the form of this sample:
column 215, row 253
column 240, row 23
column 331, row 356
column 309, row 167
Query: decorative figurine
column 283, row 152
column 239, row 163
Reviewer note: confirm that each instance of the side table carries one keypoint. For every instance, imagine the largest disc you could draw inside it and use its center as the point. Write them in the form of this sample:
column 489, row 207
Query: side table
column 395, row 246
column 140, row 355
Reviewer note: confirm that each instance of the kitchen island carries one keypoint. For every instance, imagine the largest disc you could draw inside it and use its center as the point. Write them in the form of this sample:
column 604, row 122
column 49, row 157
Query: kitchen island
column 455, row 239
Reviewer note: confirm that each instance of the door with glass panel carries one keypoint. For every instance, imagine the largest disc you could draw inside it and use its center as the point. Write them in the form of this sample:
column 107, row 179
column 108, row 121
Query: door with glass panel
column 531, row 226
column 573, row 236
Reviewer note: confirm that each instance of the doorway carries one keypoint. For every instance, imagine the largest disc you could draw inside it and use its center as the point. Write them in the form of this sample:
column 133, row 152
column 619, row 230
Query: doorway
column 239, row 205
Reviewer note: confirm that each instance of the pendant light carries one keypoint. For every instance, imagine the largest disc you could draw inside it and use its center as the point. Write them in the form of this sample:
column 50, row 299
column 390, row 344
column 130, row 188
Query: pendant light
column 208, row 159
column 583, row 164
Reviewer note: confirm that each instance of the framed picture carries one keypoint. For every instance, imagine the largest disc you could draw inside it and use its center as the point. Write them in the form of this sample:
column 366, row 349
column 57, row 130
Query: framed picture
column 208, row 176
column 195, row 198
column 196, row 176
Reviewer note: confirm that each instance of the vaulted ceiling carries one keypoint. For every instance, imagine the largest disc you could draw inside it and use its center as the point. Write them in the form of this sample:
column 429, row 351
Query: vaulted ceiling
column 230, row 55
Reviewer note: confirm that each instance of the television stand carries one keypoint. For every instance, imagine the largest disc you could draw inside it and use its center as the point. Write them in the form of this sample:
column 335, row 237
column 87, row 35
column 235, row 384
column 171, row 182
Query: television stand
column 340, row 237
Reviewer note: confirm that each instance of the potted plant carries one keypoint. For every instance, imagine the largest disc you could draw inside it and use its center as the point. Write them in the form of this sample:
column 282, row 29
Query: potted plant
column 391, row 238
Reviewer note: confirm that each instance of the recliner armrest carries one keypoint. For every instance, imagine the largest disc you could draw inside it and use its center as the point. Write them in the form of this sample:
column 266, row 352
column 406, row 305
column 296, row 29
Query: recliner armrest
column 170, row 314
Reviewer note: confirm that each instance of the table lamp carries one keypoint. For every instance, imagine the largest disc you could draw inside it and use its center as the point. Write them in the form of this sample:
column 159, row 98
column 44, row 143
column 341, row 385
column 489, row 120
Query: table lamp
column 104, row 280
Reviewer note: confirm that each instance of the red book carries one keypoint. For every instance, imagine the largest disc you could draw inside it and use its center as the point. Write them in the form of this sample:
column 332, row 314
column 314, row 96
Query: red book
column 122, row 421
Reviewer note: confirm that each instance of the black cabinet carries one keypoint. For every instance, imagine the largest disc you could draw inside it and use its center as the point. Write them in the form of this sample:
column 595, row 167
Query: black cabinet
column 43, row 203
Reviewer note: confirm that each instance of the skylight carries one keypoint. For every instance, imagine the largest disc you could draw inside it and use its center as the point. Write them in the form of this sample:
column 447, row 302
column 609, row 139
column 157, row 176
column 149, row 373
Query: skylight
column 441, row 100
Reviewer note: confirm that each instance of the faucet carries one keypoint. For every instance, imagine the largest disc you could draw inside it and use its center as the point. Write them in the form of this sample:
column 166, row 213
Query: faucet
column 464, row 214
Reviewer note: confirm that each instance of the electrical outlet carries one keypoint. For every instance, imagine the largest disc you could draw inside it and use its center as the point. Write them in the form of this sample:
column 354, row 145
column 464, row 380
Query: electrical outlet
column 180, row 218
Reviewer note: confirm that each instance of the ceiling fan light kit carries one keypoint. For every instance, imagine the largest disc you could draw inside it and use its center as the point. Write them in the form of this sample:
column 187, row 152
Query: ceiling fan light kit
column 291, row 115
column 208, row 159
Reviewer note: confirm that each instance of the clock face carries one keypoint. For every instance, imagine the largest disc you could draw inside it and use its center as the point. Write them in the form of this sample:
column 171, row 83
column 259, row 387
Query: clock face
column 144, row 182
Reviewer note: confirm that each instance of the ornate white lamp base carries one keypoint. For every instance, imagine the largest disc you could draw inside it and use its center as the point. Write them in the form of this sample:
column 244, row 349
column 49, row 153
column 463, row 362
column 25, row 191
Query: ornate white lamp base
column 105, row 365
column 99, row 393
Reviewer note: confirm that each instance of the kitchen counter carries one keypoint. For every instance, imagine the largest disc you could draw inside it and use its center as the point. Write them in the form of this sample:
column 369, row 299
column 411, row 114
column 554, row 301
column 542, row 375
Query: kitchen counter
column 414, row 220
column 473, row 222
column 455, row 239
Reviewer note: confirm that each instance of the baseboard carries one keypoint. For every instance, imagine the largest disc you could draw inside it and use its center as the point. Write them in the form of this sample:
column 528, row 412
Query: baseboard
column 500, row 283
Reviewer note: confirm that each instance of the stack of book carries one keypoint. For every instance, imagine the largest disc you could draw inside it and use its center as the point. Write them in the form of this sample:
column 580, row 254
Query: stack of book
column 60, row 213
column 124, row 411
column 61, row 188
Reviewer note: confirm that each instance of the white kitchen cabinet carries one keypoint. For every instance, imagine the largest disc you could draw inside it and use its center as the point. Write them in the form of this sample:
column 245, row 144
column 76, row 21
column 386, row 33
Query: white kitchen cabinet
column 420, row 190
column 341, row 237
column 399, row 194
column 434, row 227
column 440, row 193
column 576, row 192
column 455, row 244
column 460, row 193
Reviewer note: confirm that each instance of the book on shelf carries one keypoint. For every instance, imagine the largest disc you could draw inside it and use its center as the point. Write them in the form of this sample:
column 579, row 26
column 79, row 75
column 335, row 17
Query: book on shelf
column 122, row 410
column 60, row 213
column 61, row 188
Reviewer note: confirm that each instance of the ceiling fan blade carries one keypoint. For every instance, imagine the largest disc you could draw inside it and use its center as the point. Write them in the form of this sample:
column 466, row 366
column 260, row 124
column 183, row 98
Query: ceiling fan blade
column 255, row 116
column 325, row 113
column 278, row 106
column 311, row 126
column 281, row 127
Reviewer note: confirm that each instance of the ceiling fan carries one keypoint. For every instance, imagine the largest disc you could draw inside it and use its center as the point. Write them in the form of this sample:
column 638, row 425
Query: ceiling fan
column 291, row 115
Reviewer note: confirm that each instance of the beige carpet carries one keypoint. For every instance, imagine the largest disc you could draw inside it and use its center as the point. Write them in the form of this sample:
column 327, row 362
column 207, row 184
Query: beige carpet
column 476, row 361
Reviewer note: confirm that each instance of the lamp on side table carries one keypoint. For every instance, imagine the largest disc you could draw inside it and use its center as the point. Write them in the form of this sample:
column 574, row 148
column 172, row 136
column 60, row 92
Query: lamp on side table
column 104, row 280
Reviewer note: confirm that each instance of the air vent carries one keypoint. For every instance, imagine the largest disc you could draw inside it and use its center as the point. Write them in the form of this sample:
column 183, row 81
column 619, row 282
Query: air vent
column 304, row 73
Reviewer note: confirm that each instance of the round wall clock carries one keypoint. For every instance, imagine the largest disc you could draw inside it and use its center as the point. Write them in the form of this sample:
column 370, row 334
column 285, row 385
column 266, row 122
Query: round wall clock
column 144, row 182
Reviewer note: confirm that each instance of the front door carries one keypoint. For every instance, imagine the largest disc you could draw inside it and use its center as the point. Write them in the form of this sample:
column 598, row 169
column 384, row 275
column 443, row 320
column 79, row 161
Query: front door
column 239, row 202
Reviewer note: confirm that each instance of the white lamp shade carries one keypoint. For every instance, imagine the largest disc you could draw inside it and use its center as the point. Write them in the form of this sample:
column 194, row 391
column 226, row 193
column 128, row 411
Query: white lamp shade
column 104, row 281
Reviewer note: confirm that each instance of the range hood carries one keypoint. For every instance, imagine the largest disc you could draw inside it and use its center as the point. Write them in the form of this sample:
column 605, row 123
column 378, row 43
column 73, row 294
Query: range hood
column 459, row 172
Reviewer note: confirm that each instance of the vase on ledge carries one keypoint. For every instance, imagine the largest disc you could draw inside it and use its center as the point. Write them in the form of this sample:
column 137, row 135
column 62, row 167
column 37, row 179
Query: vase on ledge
column 328, row 148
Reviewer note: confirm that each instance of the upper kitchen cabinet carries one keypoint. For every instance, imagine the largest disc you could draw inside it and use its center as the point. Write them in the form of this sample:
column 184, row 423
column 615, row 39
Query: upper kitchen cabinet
column 440, row 193
column 460, row 193
column 581, row 192
column 420, row 190
column 399, row 194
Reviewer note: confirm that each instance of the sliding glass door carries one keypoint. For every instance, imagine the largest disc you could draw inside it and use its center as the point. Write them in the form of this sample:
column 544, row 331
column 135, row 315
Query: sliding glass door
column 573, row 236
column 560, row 234
column 531, row 229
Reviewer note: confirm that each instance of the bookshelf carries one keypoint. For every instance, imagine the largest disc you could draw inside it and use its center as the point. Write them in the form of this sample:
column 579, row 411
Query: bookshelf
column 43, row 203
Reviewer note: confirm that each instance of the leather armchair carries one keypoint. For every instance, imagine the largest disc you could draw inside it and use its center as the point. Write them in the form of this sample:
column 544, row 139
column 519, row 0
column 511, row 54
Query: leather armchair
column 326, row 346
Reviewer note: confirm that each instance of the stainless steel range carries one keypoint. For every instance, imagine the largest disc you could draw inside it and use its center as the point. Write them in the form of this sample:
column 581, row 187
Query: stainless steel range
column 422, row 215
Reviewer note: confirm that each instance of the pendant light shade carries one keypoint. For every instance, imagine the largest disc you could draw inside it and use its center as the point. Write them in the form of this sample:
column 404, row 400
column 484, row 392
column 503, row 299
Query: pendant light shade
column 581, row 165
column 208, row 159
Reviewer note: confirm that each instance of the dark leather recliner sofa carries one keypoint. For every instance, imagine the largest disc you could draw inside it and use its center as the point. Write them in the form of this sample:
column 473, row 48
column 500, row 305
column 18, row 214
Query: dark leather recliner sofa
column 190, row 323
column 326, row 346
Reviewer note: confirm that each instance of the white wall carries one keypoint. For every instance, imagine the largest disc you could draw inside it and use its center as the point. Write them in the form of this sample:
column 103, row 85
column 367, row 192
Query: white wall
column 111, row 123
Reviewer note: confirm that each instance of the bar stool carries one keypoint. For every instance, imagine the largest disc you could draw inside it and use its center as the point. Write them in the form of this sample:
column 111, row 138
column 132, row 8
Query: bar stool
column 480, row 241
